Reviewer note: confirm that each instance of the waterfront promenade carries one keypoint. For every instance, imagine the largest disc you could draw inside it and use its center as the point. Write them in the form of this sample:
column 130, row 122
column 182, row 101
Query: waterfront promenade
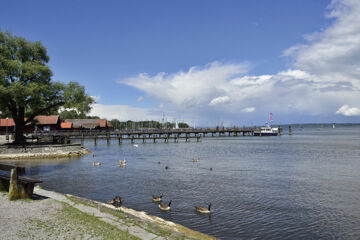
column 53, row 215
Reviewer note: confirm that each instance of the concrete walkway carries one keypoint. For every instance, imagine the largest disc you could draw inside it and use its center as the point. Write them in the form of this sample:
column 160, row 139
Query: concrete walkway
column 121, row 224
column 136, row 223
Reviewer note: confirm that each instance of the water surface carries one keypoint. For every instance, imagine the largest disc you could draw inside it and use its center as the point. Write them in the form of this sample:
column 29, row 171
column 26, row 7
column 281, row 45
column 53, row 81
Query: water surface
column 302, row 186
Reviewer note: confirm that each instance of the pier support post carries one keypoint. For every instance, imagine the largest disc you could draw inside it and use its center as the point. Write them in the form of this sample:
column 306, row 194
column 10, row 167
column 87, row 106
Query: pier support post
column 290, row 130
column 144, row 141
column 132, row 139
column 154, row 139
column 108, row 138
column 82, row 139
column 120, row 140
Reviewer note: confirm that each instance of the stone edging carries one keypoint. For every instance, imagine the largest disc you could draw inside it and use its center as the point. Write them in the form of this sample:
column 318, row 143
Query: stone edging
column 43, row 151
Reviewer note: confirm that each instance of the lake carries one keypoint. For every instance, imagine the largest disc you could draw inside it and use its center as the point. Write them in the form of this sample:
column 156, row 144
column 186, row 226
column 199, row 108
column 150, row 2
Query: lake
column 306, row 185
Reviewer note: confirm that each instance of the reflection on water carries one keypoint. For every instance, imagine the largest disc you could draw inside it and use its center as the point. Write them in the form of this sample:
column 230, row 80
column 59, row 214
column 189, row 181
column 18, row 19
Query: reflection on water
column 300, row 186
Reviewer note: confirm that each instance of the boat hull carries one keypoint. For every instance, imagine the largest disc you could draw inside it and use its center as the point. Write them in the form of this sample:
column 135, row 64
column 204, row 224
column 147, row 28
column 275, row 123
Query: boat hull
column 265, row 134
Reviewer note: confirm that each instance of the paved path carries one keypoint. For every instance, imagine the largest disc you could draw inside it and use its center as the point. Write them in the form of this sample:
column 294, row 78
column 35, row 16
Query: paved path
column 106, row 217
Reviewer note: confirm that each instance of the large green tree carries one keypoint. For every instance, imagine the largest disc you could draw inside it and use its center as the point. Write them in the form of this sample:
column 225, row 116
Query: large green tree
column 26, row 88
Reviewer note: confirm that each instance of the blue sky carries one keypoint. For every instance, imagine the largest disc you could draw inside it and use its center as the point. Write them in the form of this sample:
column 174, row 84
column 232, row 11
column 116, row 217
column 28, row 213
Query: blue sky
column 202, row 61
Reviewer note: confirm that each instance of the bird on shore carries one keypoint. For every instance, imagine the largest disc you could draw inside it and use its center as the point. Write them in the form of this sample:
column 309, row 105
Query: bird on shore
column 165, row 207
column 203, row 209
column 96, row 163
column 117, row 201
column 157, row 198
column 166, row 167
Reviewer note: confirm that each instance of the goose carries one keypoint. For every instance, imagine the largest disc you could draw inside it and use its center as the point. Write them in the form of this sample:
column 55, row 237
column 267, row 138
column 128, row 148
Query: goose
column 166, row 167
column 157, row 198
column 165, row 207
column 203, row 209
column 117, row 201
column 195, row 160
column 96, row 163
column 122, row 163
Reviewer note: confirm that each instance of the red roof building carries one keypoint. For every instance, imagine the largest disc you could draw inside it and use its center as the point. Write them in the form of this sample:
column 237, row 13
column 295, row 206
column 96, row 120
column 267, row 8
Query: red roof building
column 66, row 125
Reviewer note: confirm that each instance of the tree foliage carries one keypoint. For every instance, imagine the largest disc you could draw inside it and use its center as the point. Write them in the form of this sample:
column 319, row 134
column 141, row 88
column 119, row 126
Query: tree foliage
column 26, row 88
column 74, row 114
column 145, row 125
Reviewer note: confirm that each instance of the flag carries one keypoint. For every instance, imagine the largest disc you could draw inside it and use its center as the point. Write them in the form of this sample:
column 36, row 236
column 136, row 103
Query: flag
column 270, row 117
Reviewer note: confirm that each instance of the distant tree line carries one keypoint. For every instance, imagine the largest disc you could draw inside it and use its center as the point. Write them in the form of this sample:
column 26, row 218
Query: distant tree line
column 73, row 114
column 145, row 124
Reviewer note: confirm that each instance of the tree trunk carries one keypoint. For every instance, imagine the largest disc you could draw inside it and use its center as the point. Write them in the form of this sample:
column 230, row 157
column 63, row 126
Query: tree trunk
column 19, row 131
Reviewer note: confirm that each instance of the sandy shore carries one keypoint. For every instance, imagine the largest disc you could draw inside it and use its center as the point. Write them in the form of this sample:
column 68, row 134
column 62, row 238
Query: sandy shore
column 58, row 216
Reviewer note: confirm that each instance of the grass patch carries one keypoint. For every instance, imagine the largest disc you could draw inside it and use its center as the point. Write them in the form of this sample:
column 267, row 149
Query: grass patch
column 117, row 213
column 156, row 229
column 79, row 201
column 25, row 200
column 91, row 225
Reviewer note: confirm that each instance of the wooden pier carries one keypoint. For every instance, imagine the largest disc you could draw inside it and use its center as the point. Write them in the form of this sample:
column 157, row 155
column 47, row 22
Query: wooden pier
column 148, row 135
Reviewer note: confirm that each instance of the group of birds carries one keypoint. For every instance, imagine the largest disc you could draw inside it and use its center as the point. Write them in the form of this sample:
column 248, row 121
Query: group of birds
column 122, row 163
column 117, row 201
column 166, row 207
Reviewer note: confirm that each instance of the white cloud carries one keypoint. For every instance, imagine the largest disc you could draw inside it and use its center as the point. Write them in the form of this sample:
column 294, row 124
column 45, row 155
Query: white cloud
column 219, row 100
column 124, row 112
column 348, row 111
column 333, row 54
column 325, row 74
column 187, row 89
column 249, row 109
column 140, row 99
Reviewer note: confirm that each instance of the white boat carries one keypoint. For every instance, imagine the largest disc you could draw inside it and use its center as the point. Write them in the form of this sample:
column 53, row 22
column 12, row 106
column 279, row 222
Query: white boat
column 266, row 131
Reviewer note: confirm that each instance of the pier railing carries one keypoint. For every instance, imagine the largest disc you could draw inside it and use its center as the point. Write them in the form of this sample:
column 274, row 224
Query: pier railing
column 136, row 135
